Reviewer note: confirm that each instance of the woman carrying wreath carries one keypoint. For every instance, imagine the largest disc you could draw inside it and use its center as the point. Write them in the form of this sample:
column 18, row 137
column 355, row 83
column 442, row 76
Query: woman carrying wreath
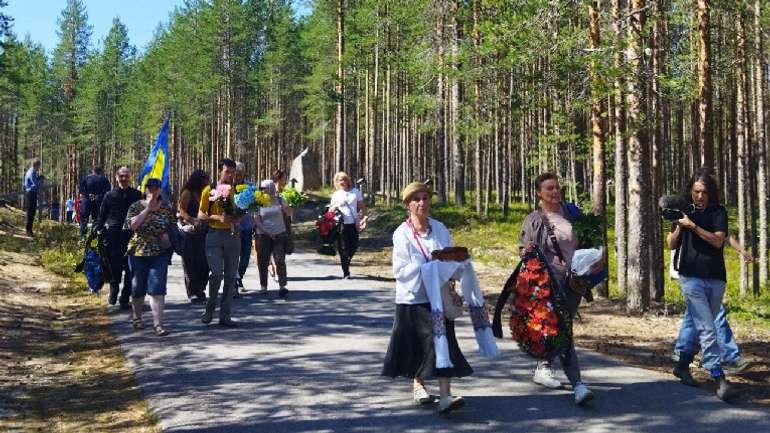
column 558, row 244
column 348, row 200
column 411, row 352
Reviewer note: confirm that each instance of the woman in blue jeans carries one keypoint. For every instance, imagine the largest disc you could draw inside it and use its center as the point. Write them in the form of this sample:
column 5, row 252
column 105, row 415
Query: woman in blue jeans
column 149, row 219
column 698, row 238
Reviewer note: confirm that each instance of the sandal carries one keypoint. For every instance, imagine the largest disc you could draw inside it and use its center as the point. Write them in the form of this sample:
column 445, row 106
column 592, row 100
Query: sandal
column 159, row 331
column 137, row 324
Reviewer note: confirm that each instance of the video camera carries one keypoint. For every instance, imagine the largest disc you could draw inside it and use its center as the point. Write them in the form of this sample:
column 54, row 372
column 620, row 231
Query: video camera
column 675, row 207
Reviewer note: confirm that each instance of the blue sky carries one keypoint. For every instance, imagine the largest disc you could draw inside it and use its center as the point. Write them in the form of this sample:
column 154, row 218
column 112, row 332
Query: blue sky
column 38, row 18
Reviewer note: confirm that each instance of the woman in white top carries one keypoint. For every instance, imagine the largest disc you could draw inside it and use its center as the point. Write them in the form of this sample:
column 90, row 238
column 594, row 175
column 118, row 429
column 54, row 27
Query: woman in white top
column 411, row 352
column 270, row 225
column 350, row 202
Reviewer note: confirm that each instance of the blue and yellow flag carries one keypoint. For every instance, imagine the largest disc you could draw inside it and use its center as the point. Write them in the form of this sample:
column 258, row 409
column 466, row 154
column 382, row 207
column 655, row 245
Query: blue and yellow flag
column 156, row 166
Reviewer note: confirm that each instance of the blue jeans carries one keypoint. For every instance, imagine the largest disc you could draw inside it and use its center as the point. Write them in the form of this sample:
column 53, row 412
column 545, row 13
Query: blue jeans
column 148, row 275
column 728, row 347
column 703, row 297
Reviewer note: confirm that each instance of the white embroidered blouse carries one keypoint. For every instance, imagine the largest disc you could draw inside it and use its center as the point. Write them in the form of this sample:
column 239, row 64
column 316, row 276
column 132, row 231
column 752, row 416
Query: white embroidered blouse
column 408, row 257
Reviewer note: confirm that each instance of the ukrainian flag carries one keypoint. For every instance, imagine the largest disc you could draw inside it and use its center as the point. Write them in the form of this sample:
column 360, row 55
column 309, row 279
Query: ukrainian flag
column 156, row 166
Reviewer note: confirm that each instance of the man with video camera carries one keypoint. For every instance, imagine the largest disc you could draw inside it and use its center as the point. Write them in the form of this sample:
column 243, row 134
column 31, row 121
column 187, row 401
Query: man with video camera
column 698, row 237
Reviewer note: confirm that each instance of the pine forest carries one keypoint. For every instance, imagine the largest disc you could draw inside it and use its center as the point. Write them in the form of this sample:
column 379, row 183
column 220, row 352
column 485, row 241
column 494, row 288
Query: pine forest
column 624, row 99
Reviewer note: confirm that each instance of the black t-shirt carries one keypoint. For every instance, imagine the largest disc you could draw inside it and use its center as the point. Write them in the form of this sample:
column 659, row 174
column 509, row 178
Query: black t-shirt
column 696, row 257
column 115, row 206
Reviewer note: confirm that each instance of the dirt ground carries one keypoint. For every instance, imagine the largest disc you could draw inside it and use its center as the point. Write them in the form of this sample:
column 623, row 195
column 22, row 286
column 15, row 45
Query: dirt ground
column 61, row 369
column 603, row 326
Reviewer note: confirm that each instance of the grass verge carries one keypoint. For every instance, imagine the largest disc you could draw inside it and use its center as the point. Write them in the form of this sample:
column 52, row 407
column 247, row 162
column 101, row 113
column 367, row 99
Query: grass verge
column 63, row 366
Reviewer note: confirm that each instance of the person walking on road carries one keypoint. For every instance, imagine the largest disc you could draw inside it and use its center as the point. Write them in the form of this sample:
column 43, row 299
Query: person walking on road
column 411, row 352
column 699, row 239
column 110, row 224
column 350, row 202
column 549, row 229
column 92, row 190
column 272, row 237
column 148, row 252
column 223, row 243
column 246, row 226
column 194, row 263
column 31, row 189
column 732, row 361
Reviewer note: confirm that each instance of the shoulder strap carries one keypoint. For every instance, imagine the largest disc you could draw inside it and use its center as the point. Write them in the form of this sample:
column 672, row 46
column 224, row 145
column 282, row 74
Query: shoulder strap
column 416, row 237
column 551, row 235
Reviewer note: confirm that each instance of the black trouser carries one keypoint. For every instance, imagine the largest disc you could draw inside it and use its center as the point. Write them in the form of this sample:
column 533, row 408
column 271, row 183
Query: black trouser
column 31, row 198
column 347, row 246
column 117, row 244
column 195, row 264
column 88, row 208
column 277, row 247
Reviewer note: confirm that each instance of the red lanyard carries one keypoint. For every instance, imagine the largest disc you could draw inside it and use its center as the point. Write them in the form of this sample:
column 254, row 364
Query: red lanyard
column 417, row 239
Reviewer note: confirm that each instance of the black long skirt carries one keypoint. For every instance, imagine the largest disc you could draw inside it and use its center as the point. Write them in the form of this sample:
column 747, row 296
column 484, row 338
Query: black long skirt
column 411, row 353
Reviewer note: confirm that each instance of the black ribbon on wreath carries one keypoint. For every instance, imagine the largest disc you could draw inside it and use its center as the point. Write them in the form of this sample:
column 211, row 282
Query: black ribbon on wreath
column 540, row 321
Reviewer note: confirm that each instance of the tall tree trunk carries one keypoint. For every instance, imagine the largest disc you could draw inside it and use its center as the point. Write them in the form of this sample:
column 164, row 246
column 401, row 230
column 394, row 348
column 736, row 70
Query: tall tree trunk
column 638, row 176
column 454, row 107
column 597, row 131
column 761, row 147
column 705, row 130
column 740, row 132
column 340, row 88
column 477, row 103
column 621, row 162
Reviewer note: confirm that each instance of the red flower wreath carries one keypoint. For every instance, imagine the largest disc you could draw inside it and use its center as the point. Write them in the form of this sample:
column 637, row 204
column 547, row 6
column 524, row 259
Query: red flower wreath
column 535, row 322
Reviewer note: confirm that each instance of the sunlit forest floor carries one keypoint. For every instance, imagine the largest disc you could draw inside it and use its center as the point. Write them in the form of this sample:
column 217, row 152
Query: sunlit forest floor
column 61, row 367
column 604, row 326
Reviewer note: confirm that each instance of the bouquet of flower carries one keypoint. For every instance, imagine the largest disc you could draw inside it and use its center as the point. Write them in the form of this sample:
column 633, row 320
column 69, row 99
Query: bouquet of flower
column 539, row 320
column 588, row 230
column 222, row 194
column 248, row 198
column 293, row 197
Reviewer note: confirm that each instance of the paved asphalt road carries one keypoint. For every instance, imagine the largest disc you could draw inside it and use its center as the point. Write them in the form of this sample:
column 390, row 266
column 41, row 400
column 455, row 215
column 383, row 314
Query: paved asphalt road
column 312, row 363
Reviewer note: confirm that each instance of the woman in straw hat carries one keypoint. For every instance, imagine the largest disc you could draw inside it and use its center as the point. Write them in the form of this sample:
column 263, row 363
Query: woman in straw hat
column 411, row 352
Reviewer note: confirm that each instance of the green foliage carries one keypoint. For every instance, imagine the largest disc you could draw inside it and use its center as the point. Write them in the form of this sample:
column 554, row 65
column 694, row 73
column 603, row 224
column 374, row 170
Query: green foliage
column 293, row 197
column 589, row 229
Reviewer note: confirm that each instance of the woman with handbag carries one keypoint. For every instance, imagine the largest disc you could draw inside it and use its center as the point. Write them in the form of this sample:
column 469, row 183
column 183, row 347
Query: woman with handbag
column 549, row 229
column 411, row 352
column 270, row 225
column 350, row 202
column 280, row 179
column 149, row 219
column 194, row 263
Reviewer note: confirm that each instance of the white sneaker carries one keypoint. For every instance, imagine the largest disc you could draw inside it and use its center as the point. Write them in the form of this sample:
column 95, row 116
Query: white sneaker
column 582, row 394
column 449, row 403
column 421, row 396
column 544, row 376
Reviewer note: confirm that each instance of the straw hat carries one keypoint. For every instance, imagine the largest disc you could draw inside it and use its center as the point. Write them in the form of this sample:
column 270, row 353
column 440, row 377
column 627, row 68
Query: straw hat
column 412, row 189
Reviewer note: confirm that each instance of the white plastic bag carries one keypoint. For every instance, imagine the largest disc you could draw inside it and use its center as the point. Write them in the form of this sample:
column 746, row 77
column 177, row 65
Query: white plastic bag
column 584, row 259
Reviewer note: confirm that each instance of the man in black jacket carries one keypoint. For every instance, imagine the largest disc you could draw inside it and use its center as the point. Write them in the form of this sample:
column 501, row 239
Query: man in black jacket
column 92, row 190
column 111, row 220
